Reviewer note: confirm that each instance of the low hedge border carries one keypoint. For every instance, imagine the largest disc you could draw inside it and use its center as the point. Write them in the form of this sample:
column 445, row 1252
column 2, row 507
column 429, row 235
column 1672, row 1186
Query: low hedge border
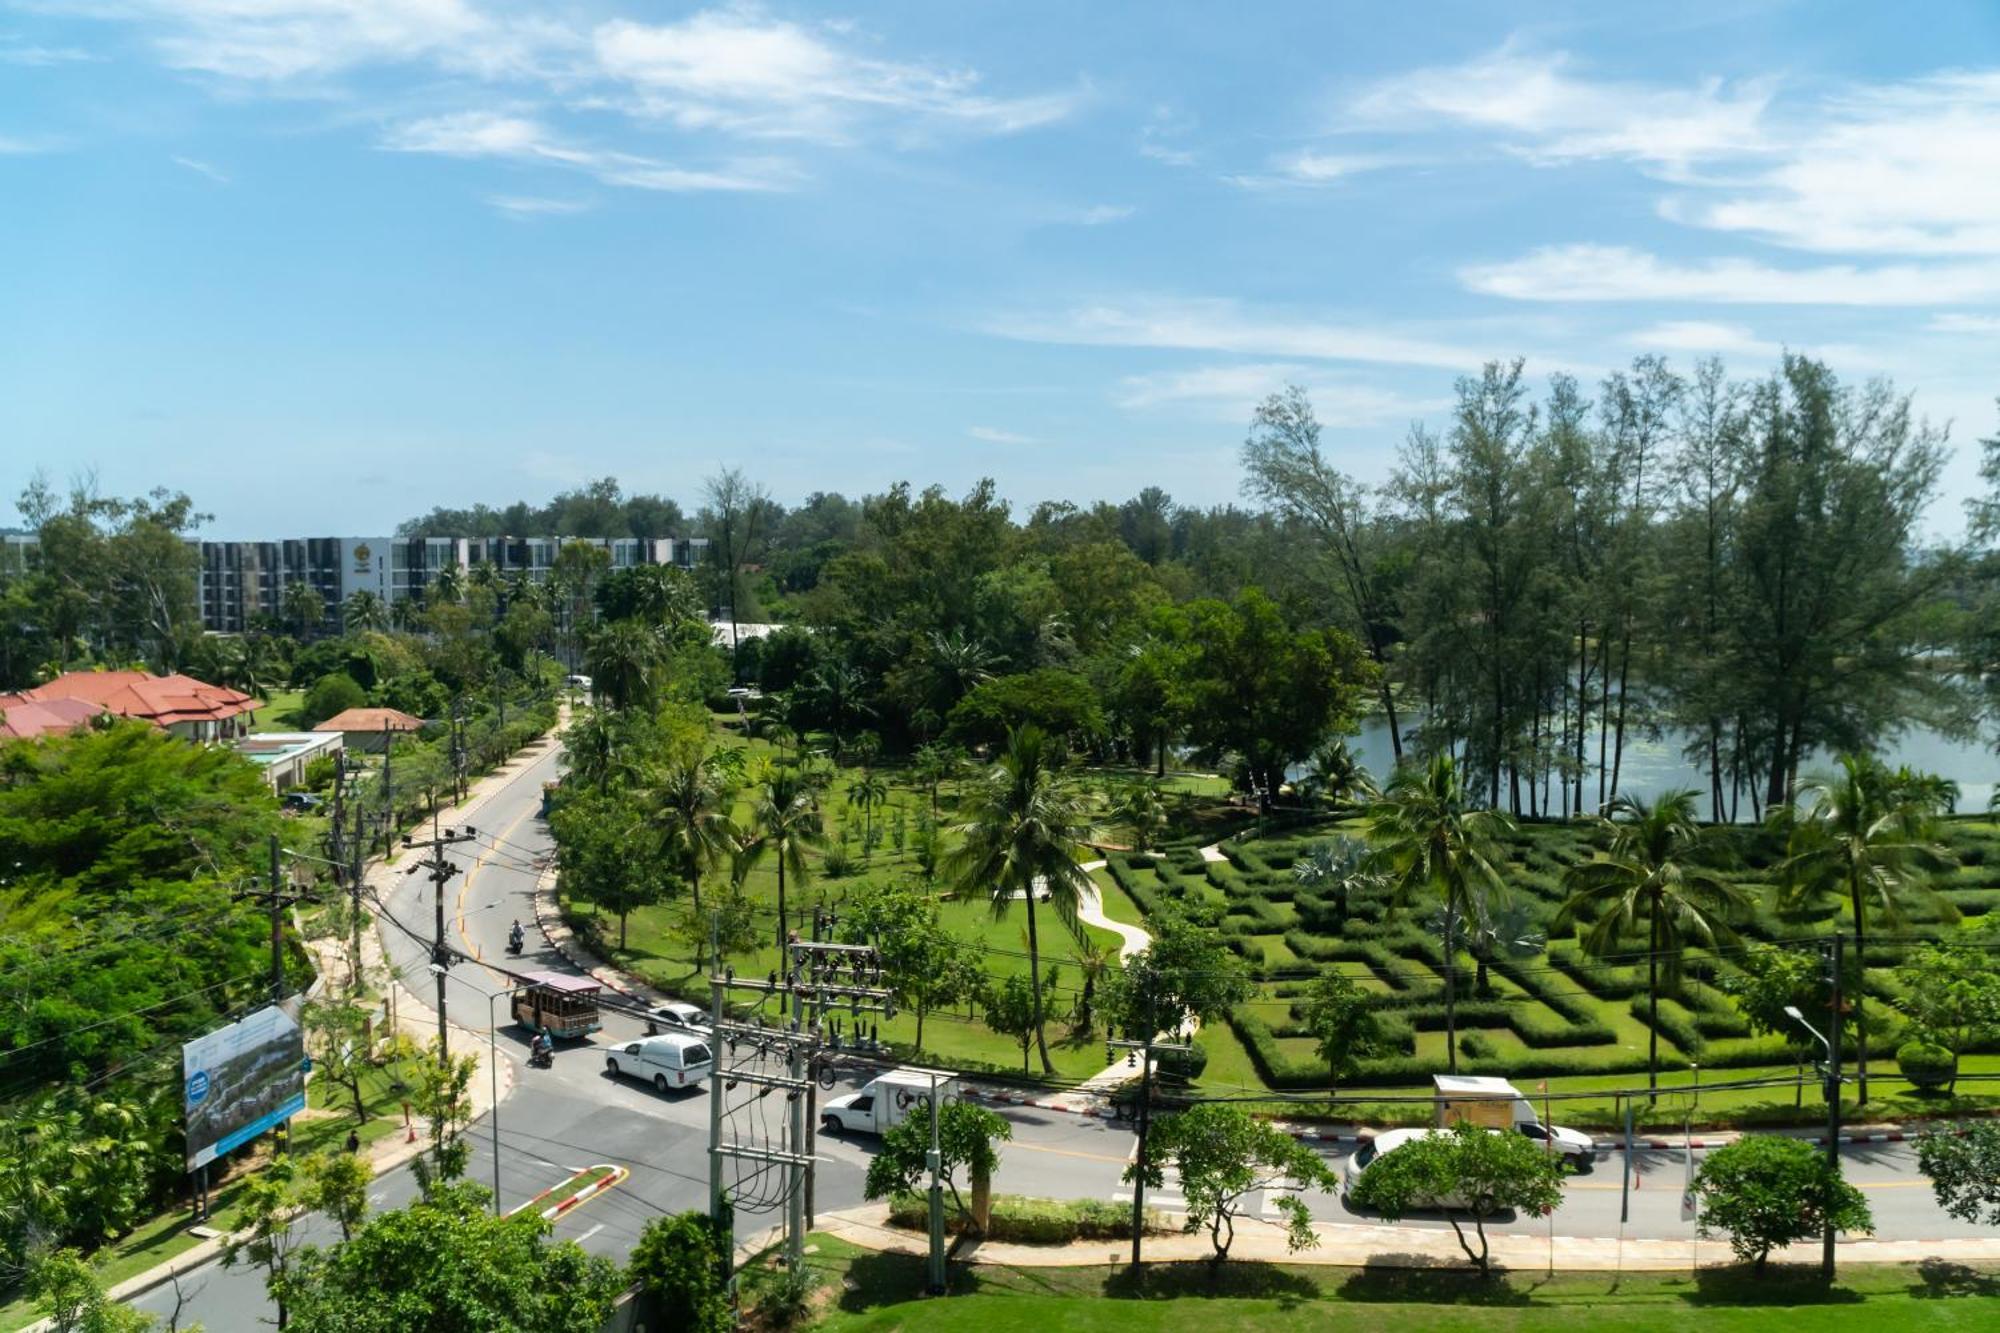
column 1020, row 1220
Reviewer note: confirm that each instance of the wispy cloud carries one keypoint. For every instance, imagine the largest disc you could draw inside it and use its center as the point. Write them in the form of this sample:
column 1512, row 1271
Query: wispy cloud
column 532, row 206
column 1980, row 324
column 995, row 436
column 1618, row 273
column 1229, row 392
column 1098, row 215
column 15, row 146
column 1163, row 137
column 1702, row 336
column 1224, row 326
column 1547, row 112
column 521, row 138
column 200, row 168
column 15, row 51
column 1307, row 169
column 741, row 70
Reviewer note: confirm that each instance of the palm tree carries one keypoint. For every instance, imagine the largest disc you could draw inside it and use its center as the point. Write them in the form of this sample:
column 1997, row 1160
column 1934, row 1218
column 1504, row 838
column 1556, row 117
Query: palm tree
column 690, row 806
column 1651, row 875
column 303, row 606
column 785, row 816
column 1865, row 836
column 447, row 585
column 1432, row 843
column 957, row 665
column 1026, row 821
column 622, row 657
column 1337, row 773
column 364, row 609
column 406, row 611
column 934, row 762
column 1340, row 864
column 1142, row 808
column 867, row 792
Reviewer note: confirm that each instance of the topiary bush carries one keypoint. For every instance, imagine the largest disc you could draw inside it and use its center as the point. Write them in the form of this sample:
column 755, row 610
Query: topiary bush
column 1927, row 1065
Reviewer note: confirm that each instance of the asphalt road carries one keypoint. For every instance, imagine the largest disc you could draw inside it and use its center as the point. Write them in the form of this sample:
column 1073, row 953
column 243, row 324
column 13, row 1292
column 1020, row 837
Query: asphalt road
column 574, row 1115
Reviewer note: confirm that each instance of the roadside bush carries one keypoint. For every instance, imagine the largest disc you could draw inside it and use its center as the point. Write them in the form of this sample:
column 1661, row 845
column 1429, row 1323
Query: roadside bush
column 1021, row 1220
column 329, row 695
column 1476, row 1045
column 1928, row 1066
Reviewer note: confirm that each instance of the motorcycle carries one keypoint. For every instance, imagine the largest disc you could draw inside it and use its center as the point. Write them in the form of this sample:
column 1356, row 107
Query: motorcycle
column 541, row 1056
column 514, row 943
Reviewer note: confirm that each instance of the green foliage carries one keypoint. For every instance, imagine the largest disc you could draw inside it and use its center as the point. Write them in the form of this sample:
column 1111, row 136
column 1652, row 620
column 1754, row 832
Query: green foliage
column 1927, row 1065
column 681, row 1261
column 1060, row 703
column 967, row 1136
column 1963, row 1165
column 1767, row 1192
column 1222, row 1154
column 609, row 854
column 336, row 1184
column 1469, row 1173
column 1018, row 1220
column 66, row 1292
column 925, row 965
column 446, row 1264
column 1951, row 995
column 1338, row 1018
column 1184, row 971
column 329, row 695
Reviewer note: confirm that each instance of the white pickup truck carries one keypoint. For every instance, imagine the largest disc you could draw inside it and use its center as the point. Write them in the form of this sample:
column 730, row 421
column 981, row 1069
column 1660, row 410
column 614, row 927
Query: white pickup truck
column 887, row 1101
column 1498, row 1104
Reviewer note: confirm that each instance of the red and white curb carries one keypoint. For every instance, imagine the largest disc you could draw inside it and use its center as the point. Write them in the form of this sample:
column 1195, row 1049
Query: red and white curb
column 617, row 1175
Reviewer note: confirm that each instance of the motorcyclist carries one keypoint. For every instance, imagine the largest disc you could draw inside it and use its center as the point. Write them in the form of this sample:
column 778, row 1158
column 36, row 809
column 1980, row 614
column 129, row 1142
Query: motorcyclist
column 543, row 1049
column 515, row 938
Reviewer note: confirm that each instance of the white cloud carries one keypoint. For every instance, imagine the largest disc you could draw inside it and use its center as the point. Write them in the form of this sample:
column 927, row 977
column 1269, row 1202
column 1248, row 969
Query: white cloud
column 200, row 168
column 1229, row 392
column 1911, row 168
column 1308, row 168
column 528, row 206
column 476, row 134
column 1617, row 273
column 1099, row 214
column 14, row 51
column 1694, row 335
column 1223, row 326
column 1965, row 324
column 995, row 436
column 1161, row 137
column 740, row 70
column 1549, row 114
column 272, row 41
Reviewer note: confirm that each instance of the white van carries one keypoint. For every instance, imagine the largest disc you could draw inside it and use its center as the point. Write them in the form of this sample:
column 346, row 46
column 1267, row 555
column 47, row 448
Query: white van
column 672, row 1060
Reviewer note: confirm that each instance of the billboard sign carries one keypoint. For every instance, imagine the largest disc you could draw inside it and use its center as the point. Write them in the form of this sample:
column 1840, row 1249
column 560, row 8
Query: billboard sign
column 241, row 1080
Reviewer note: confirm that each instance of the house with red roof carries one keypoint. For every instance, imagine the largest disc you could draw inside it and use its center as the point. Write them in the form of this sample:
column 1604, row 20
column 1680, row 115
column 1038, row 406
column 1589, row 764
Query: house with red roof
column 22, row 717
column 192, row 709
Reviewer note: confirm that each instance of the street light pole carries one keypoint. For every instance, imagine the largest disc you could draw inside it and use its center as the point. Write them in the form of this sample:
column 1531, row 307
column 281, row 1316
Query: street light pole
column 1831, row 1072
column 492, row 1068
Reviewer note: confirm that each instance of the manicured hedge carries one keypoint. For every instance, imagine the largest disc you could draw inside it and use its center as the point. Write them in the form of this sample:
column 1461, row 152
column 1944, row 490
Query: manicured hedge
column 1019, row 1220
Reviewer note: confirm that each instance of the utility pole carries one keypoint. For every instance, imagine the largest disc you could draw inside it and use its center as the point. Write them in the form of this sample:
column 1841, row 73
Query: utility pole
column 355, row 847
column 1145, row 1048
column 276, row 899
column 934, row 1159
column 457, row 750
column 442, row 870
column 795, row 1202
column 1834, row 958
column 716, row 985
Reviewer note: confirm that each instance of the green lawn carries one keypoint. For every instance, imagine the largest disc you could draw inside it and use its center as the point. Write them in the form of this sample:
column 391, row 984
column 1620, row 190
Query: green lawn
column 279, row 711
column 881, row 1292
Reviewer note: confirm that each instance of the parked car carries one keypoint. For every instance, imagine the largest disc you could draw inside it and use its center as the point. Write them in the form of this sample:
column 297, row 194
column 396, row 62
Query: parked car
column 671, row 1060
column 300, row 802
column 677, row 1016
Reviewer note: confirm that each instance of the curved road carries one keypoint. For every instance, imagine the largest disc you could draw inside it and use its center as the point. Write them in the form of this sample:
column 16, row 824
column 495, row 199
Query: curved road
column 574, row 1115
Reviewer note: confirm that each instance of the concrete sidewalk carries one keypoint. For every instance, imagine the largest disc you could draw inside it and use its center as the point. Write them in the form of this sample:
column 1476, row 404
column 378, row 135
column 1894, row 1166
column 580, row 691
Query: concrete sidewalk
column 1357, row 1246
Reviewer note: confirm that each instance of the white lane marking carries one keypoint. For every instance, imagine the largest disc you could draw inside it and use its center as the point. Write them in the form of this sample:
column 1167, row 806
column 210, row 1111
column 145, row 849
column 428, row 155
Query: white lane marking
column 588, row 1234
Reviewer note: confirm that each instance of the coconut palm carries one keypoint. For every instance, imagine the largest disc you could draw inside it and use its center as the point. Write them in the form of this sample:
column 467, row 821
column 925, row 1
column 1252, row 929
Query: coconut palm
column 1024, row 825
column 1432, row 844
column 447, row 586
column 785, row 821
column 1651, row 879
column 303, row 607
column 1337, row 774
column 622, row 658
column 1142, row 808
column 1864, row 836
column 364, row 609
column 690, row 809
column 956, row 665
column 933, row 764
column 867, row 792
column 1339, row 865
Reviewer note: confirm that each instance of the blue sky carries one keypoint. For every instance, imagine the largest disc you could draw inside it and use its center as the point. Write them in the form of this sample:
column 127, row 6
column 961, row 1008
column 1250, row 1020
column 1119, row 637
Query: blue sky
column 326, row 263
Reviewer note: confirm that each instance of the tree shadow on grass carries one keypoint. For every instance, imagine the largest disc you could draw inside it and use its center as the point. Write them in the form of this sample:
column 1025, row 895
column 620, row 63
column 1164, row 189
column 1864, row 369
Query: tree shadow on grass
column 1393, row 1278
column 1778, row 1284
column 1940, row 1278
column 1207, row 1278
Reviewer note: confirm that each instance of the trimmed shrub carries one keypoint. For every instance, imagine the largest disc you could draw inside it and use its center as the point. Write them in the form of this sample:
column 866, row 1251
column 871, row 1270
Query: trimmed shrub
column 1927, row 1065
column 1020, row 1220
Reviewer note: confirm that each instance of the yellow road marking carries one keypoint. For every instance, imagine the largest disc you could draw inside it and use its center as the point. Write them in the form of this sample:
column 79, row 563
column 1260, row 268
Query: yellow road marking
column 1069, row 1152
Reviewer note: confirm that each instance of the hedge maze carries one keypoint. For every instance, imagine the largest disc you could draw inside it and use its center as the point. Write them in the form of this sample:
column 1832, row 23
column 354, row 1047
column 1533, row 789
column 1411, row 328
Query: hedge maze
column 1547, row 1011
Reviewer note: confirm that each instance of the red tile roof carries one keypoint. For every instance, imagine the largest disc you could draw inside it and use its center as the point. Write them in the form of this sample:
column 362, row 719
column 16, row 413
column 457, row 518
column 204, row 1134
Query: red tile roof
column 161, row 700
column 371, row 719
column 22, row 717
